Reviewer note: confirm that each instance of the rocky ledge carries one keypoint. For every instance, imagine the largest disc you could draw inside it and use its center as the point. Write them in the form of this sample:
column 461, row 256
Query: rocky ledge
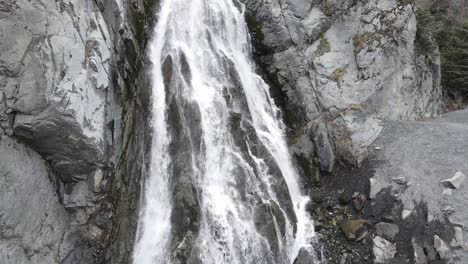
column 408, row 202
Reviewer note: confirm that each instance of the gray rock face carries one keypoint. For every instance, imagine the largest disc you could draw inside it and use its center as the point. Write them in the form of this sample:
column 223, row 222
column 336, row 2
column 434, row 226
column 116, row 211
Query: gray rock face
column 383, row 250
column 455, row 182
column 346, row 64
column 418, row 253
column 54, row 79
column 326, row 157
column 131, row 24
column 304, row 257
column 441, row 247
column 78, row 196
column 270, row 222
column 387, row 230
column 56, row 97
column 31, row 218
column 458, row 240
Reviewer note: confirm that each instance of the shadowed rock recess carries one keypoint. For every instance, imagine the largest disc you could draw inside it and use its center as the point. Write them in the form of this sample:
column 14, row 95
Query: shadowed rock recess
column 363, row 88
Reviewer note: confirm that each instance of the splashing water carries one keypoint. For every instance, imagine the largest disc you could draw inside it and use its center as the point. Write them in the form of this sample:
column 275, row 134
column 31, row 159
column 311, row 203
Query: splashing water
column 221, row 180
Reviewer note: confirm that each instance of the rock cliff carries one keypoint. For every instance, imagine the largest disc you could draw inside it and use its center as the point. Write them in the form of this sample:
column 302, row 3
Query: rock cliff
column 54, row 84
column 69, row 76
column 347, row 65
column 32, row 219
column 55, row 64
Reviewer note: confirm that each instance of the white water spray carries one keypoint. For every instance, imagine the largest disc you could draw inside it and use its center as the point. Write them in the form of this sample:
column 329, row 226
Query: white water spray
column 244, row 165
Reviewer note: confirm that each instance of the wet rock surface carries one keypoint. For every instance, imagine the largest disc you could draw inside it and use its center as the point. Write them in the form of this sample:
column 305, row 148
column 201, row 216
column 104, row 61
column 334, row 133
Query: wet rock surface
column 304, row 257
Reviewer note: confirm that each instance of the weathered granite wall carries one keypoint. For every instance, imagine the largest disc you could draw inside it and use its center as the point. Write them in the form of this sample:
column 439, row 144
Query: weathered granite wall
column 339, row 67
column 69, row 72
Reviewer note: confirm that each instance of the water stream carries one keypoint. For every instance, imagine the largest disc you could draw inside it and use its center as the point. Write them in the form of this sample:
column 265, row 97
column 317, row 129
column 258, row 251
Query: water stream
column 222, row 187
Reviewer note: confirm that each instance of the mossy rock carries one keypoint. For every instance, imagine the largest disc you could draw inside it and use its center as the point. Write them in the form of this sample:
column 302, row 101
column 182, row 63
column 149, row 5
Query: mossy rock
column 323, row 47
column 360, row 41
column 255, row 28
column 338, row 74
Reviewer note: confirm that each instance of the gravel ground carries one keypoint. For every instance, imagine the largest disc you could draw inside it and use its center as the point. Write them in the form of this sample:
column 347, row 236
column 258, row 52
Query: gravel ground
column 407, row 165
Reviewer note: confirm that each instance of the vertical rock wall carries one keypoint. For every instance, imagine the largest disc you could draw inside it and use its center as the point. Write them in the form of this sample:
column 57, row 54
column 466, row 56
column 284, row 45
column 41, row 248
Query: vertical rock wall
column 131, row 22
column 54, row 77
column 54, row 63
column 346, row 65
column 63, row 68
column 32, row 222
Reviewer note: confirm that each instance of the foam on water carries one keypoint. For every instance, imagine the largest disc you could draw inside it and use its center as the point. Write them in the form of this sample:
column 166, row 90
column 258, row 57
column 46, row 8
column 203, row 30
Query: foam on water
column 236, row 172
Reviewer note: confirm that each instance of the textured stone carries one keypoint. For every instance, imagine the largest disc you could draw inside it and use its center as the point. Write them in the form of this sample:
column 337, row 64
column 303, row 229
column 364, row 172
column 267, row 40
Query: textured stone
column 78, row 196
column 419, row 255
column 344, row 64
column 56, row 97
column 383, row 250
column 405, row 214
column 375, row 188
column 131, row 25
column 455, row 182
column 31, row 217
column 271, row 223
column 422, row 152
column 354, row 229
column 326, row 156
column 400, row 180
column 387, row 230
column 304, row 257
column 97, row 180
column 441, row 247
column 347, row 64
column 458, row 240
column 54, row 71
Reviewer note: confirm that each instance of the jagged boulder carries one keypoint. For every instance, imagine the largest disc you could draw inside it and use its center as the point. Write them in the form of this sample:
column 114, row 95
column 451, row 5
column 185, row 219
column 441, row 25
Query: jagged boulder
column 384, row 251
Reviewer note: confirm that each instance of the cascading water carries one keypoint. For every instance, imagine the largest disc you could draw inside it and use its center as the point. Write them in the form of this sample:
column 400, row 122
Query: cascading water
column 221, row 187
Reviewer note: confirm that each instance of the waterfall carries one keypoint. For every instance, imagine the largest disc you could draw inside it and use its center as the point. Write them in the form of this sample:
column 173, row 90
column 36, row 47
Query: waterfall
column 222, row 187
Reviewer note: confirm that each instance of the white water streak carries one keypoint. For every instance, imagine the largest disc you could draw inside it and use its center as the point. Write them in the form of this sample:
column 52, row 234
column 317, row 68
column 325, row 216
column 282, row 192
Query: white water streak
column 207, row 31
